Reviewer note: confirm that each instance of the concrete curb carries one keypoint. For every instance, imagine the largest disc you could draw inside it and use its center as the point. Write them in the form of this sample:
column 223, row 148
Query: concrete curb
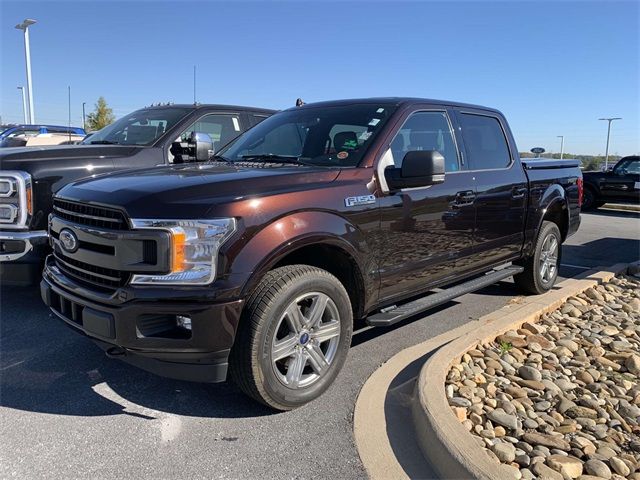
column 448, row 446
column 369, row 419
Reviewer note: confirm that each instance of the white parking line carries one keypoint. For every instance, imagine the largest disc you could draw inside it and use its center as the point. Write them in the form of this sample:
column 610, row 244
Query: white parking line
column 575, row 266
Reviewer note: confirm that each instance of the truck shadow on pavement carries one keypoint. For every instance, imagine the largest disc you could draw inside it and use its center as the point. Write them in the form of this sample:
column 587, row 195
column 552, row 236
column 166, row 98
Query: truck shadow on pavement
column 48, row 368
column 602, row 252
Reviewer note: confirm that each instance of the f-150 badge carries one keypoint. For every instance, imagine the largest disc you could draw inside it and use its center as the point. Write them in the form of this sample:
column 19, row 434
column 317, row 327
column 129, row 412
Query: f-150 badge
column 361, row 200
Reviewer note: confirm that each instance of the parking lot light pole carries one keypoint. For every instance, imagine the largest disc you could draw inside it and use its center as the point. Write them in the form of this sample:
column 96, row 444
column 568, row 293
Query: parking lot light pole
column 606, row 155
column 561, row 137
column 24, row 105
column 24, row 26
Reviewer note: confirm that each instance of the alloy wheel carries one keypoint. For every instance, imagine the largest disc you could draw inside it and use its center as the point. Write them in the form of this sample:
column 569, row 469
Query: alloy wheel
column 548, row 258
column 306, row 340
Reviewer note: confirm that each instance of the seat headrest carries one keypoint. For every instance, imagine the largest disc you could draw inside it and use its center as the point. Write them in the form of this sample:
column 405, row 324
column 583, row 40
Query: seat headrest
column 345, row 141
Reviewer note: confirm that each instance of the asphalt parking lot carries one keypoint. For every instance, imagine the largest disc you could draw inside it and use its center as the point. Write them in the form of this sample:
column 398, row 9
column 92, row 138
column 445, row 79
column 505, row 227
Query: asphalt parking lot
column 68, row 411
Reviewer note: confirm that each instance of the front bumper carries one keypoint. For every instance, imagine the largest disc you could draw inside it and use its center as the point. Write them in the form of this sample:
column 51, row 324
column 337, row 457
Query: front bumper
column 21, row 256
column 15, row 245
column 126, row 331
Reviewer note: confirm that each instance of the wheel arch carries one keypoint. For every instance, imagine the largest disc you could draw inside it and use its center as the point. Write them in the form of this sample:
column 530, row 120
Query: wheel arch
column 553, row 205
column 331, row 249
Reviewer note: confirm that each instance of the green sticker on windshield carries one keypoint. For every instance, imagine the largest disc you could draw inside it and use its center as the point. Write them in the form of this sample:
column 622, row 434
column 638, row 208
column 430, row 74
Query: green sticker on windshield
column 350, row 144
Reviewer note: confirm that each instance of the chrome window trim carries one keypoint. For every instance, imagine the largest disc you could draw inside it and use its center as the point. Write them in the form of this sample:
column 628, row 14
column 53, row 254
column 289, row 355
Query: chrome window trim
column 504, row 134
column 23, row 183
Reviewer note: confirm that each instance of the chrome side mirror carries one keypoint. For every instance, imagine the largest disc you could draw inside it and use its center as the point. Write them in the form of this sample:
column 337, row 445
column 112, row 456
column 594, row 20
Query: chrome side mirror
column 202, row 145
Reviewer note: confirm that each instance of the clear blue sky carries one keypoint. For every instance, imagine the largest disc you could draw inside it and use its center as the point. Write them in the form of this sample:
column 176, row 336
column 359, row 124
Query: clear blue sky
column 553, row 68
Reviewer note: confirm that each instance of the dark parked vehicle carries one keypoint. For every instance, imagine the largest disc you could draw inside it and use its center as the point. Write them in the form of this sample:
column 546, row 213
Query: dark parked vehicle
column 323, row 215
column 160, row 135
column 620, row 185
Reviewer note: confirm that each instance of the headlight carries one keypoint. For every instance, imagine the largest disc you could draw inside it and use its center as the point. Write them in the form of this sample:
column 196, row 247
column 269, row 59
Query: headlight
column 16, row 199
column 193, row 251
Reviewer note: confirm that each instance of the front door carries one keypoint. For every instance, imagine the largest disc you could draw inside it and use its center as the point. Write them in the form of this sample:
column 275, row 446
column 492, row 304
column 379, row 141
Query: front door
column 501, row 187
column 623, row 183
column 425, row 231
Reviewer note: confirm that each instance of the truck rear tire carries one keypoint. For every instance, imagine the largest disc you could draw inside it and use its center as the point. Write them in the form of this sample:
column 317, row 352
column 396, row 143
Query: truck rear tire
column 541, row 269
column 294, row 337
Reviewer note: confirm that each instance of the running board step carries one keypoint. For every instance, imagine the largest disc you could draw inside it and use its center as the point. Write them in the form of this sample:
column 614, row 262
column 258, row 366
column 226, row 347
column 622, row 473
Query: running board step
column 389, row 317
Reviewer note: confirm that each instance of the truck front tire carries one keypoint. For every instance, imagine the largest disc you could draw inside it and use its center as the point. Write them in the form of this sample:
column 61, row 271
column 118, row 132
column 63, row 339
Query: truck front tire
column 294, row 337
column 541, row 269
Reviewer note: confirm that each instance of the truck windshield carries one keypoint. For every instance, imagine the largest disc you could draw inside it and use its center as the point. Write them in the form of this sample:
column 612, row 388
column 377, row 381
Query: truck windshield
column 142, row 127
column 323, row 135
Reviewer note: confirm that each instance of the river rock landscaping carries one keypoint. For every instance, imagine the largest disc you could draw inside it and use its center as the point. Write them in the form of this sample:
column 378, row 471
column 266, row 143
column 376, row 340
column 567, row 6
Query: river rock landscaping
column 560, row 398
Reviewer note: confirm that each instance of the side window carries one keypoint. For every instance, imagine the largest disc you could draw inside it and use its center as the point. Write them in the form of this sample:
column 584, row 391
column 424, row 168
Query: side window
column 484, row 141
column 426, row 131
column 221, row 128
column 630, row 166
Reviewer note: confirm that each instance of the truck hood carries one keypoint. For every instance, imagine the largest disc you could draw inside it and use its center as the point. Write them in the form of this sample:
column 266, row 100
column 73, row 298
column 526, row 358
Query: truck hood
column 190, row 191
column 23, row 158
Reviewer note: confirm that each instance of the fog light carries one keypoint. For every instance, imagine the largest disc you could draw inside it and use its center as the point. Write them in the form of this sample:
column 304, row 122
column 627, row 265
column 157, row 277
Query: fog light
column 183, row 322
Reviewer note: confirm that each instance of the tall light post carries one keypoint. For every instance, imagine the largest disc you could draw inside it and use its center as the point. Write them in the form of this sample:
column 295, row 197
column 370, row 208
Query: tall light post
column 606, row 155
column 24, row 26
column 561, row 137
column 24, row 105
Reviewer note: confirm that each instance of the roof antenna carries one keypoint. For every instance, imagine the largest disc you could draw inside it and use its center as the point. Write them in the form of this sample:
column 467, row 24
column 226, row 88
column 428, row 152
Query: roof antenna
column 299, row 102
column 194, row 84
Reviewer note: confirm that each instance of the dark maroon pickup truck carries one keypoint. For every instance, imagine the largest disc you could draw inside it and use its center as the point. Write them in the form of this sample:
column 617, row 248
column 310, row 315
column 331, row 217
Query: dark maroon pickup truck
column 261, row 261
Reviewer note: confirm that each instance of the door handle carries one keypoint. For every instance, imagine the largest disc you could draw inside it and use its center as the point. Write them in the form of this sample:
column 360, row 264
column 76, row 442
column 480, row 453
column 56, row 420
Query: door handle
column 464, row 199
column 518, row 192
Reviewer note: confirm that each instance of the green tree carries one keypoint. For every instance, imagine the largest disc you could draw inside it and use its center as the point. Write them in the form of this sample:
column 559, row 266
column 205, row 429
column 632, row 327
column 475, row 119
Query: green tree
column 101, row 116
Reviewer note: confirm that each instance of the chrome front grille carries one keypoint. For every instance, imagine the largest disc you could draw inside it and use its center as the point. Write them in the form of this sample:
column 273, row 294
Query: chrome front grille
column 90, row 215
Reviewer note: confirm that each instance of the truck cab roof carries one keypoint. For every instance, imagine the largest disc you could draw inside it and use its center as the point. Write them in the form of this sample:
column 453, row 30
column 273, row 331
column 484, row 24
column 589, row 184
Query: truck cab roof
column 398, row 101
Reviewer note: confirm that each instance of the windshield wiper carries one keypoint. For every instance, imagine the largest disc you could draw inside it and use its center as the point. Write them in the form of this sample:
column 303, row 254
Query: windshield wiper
column 275, row 158
column 103, row 142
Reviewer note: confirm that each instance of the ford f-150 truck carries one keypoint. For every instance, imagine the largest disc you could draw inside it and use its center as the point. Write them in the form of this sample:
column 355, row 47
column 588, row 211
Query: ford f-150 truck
column 159, row 135
column 621, row 184
column 261, row 261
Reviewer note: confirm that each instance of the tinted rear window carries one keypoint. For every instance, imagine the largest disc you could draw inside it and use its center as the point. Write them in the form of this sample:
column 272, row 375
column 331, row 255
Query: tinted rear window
column 484, row 142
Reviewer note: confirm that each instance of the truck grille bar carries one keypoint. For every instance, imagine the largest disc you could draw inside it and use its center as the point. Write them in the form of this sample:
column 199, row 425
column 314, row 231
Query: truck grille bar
column 90, row 215
column 103, row 278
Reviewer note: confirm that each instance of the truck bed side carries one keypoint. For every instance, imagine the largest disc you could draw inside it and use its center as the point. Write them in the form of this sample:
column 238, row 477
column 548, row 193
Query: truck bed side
column 553, row 191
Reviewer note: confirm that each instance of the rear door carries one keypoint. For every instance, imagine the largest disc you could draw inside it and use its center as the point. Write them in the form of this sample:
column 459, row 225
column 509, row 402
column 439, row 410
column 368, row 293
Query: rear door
column 501, row 186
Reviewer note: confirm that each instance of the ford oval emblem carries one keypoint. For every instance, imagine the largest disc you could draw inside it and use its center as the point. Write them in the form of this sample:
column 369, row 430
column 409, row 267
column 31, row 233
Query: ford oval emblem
column 69, row 240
